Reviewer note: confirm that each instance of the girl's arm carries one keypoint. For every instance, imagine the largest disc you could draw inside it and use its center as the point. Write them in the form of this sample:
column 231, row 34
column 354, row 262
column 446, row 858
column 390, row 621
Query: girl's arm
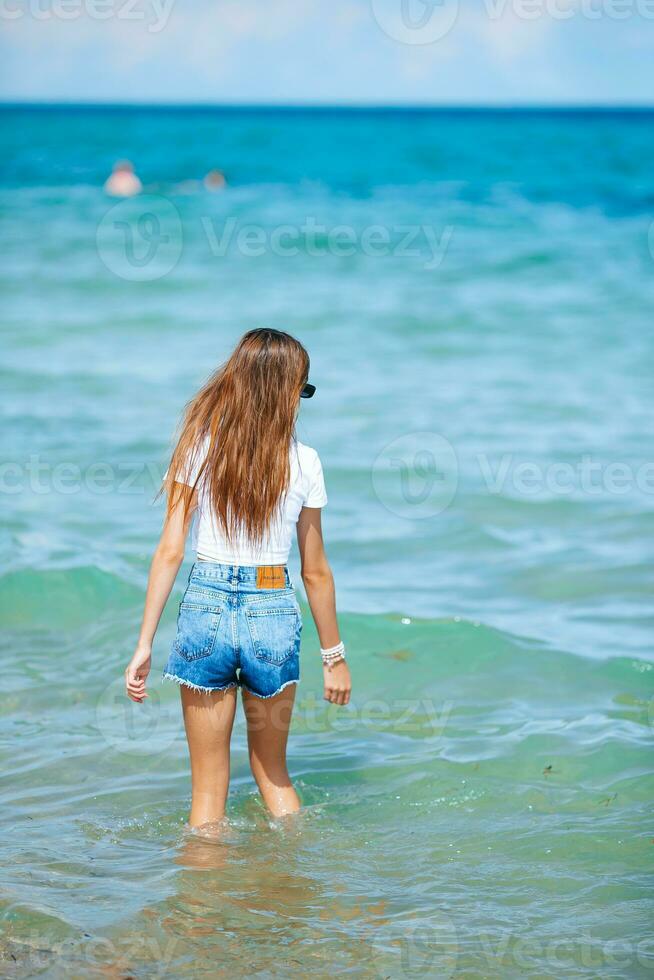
column 168, row 557
column 319, row 584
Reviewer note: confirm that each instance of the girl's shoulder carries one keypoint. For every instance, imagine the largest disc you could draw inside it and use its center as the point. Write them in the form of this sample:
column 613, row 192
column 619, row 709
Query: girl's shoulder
column 305, row 453
column 309, row 476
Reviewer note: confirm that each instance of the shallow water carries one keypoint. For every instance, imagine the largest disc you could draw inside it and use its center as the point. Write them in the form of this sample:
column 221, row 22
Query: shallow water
column 484, row 417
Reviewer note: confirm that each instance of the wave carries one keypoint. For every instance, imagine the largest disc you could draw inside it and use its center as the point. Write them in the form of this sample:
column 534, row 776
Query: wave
column 407, row 646
column 62, row 598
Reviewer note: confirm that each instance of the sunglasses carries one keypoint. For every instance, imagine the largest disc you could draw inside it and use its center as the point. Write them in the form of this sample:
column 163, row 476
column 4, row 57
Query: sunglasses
column 308, row 391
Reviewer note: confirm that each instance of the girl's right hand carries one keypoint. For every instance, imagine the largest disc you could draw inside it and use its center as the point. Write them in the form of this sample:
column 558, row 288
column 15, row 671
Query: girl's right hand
column 136, row 674
column 338, row 683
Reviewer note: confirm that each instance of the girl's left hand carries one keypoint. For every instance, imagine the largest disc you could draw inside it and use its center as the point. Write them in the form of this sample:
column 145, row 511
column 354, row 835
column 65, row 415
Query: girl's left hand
column 136, row 674
column 338, row 684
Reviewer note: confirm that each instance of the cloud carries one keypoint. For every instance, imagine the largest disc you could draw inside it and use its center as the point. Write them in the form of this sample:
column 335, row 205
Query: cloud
column 505, row 34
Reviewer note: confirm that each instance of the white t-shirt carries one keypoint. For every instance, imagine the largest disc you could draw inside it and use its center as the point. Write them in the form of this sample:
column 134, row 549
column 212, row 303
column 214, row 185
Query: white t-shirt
column 306, row 489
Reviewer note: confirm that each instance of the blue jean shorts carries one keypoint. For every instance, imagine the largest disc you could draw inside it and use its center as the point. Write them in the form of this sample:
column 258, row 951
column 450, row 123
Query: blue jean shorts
column 231, row 633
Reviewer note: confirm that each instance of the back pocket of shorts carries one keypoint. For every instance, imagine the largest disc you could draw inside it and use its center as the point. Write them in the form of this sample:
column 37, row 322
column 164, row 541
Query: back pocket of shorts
column 275, row 633
column 197, row 626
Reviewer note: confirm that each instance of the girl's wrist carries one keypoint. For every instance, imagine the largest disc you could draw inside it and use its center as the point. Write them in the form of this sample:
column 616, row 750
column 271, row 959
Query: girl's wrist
column 333, row 655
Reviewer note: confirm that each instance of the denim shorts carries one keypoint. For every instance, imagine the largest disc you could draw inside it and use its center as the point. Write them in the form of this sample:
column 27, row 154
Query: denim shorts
column 231, row 633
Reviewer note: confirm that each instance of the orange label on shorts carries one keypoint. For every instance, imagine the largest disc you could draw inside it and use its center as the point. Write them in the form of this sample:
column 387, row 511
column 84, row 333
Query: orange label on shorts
column 271, row 577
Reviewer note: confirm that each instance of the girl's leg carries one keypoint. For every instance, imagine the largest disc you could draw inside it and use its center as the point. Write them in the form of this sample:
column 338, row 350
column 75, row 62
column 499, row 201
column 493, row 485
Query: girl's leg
column 268, row 721
column 208, row 719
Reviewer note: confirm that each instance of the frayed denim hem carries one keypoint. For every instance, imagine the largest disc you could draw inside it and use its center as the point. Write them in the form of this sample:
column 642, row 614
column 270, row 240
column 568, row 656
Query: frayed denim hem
column 196, row 687
column 264, row 697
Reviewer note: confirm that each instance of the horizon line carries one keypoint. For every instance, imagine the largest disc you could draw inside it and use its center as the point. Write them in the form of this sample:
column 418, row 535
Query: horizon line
column 340, row 106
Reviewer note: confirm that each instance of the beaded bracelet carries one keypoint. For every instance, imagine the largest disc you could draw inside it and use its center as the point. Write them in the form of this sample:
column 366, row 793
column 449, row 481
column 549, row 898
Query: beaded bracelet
column 333, row 655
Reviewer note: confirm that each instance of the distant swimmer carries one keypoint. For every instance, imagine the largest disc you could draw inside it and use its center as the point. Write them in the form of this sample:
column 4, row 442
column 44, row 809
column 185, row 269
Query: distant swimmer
column 123, row 182
column 215, row 180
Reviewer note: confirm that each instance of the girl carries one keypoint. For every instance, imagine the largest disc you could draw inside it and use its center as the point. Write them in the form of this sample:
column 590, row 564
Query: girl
column 239, row 468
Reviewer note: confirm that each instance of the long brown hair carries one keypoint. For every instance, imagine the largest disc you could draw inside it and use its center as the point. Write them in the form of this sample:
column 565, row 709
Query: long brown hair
column 245, row 415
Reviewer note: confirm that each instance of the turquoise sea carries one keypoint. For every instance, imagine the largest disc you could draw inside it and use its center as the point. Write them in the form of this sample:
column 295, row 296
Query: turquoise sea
column 476, row 291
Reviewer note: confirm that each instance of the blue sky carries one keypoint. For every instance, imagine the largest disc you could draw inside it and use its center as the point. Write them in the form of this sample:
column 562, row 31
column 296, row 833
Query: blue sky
column 361, row 51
